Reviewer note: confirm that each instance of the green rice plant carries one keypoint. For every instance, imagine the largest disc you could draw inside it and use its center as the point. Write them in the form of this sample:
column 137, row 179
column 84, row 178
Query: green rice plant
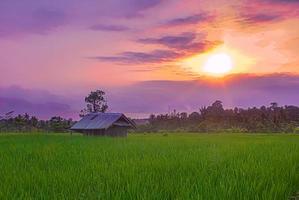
column 149, row 166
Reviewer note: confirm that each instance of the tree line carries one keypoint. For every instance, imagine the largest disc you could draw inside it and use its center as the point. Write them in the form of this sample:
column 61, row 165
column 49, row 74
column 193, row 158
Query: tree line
column 215, row 118
column 27, row 123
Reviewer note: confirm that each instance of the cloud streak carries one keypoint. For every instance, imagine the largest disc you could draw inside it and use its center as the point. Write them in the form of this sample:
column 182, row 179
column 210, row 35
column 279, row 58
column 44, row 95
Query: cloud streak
column 283, row 1
column 129, row 57
column 176, row 42
column 189, row 20
column 103, row 27
column 267, row 12
column 260, row 18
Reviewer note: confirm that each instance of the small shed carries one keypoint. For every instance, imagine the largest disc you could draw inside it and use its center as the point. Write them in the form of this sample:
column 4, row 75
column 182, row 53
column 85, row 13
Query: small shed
column 104, row 124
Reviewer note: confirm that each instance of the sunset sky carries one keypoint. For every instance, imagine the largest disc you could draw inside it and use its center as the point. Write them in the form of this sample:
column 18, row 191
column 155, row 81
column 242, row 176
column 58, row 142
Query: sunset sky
column 150, row 56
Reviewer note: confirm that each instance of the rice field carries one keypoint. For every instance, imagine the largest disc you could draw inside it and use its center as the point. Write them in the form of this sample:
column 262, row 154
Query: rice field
column 149, row 166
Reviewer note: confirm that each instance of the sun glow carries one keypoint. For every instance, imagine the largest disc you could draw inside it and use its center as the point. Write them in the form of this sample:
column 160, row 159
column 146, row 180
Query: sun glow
column 218, row 64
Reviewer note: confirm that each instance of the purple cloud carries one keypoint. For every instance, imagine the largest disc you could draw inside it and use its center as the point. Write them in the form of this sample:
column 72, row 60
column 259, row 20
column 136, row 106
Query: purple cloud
column 39, row 21
column 260, row 18
column 267, row 11
column 129, row 57
column 39, row 103
column 141, row 4
column 177, row 42
column 31, row 16
column 44, row 19
column 42, row 110
column 41, row 16
column 193, row 19
column 186, row 43
column 283, row 1
column 102, row 27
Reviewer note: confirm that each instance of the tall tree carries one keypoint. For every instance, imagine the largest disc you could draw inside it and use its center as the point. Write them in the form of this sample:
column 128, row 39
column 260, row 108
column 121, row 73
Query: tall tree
column 95, row 102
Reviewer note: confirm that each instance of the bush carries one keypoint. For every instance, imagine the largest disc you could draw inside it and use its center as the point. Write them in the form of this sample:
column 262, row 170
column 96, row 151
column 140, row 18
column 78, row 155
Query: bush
column 235, row 130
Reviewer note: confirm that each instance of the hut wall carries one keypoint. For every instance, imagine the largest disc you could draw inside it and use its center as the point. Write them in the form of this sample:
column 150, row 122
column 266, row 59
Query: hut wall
column 117, row 131
column 114, row 131
column 98, row 132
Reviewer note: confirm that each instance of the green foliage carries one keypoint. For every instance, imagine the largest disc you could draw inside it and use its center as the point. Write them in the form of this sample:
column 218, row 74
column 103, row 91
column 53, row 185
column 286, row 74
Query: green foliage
column 296, row 130
column 58, row 124
column 164, row 166
column 25, row 123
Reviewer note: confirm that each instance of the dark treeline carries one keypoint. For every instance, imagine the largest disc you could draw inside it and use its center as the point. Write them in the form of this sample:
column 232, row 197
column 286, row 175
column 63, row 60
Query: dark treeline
column 26, row 123
column 215, row 118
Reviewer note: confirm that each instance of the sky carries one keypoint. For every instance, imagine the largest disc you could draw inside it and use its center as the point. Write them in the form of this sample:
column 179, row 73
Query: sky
column 149, row 56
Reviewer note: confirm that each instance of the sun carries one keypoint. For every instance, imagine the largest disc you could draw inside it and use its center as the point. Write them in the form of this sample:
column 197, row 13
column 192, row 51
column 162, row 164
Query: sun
column 218, row 64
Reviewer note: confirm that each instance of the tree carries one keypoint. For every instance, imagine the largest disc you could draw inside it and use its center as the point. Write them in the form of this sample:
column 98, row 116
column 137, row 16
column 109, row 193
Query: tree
column 194, row 116
column 214, row 112
column 273, row 105
column 217, row 105
column 96, row 102
column 58, row 124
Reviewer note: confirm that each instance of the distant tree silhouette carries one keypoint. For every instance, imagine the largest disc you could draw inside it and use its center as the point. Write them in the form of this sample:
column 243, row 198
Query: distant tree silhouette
column 95, row 102
column 25, row 123
column 194, row 116
column 215, row 118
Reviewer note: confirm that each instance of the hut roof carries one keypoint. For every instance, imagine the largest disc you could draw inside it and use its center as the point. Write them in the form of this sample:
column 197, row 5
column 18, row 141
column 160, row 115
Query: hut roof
column 102, row 121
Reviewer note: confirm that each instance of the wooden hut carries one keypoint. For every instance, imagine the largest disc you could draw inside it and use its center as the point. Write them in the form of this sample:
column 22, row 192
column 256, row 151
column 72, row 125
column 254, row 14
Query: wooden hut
column 104, row 124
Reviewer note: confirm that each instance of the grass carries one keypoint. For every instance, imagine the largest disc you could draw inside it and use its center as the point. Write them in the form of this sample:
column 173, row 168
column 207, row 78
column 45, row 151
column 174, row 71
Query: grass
column 185, row 166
